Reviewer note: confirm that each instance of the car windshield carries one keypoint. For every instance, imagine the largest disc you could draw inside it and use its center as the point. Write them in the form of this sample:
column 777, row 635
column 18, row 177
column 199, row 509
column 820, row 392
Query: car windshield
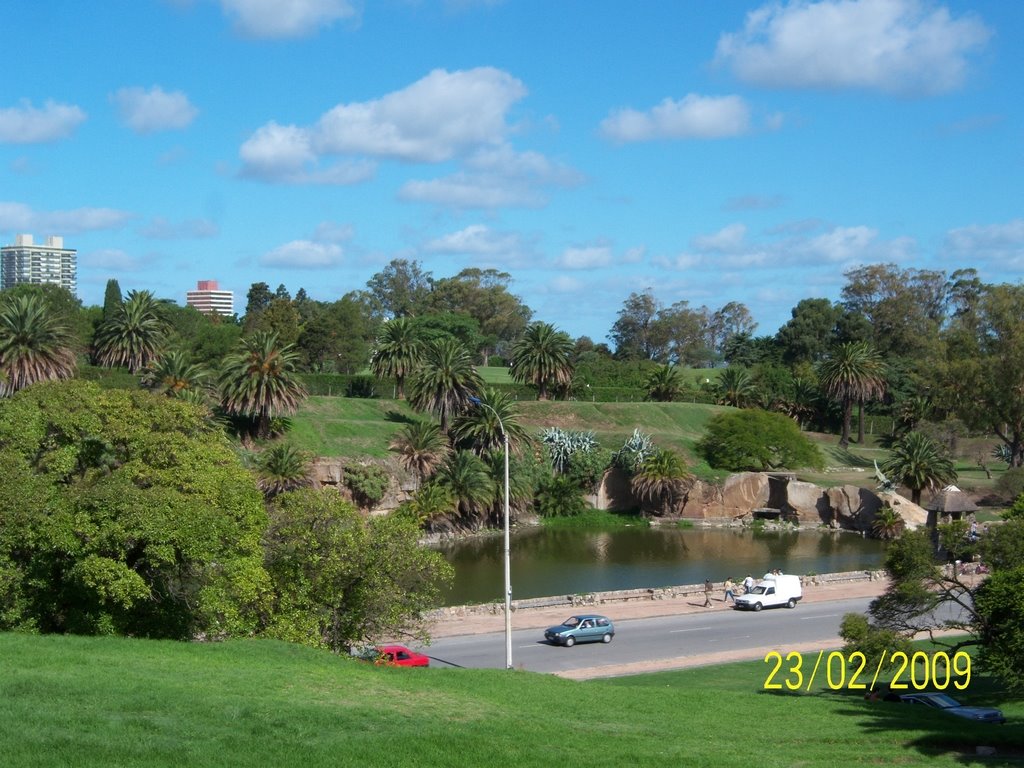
column 942, row 700
column 759, row 589
column 572, row 621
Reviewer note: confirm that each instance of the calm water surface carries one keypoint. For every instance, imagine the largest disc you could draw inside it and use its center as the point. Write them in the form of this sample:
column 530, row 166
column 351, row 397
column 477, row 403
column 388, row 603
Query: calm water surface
column 554, row 562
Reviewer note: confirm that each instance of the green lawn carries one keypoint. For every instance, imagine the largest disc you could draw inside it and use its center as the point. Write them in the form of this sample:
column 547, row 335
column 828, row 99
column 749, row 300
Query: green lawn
column 109, row 701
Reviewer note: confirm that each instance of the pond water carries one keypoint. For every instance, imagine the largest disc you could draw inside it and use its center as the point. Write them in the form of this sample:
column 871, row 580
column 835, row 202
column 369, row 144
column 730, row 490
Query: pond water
column 555, row 562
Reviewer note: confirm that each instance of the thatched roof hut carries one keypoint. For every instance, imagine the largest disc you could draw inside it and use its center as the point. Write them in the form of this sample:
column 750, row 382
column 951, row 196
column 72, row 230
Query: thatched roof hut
column 951, row 501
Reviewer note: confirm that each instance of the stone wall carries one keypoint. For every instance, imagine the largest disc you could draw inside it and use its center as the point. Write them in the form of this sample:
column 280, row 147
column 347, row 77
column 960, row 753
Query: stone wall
column 617, row 597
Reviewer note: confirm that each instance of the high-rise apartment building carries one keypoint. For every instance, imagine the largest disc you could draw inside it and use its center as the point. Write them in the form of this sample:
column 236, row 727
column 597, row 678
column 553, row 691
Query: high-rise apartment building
column 26, row 262
column 209, row 299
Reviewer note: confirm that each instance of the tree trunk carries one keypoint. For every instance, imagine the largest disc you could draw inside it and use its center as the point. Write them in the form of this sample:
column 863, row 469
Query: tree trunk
column 860, row 423
column 844, row 438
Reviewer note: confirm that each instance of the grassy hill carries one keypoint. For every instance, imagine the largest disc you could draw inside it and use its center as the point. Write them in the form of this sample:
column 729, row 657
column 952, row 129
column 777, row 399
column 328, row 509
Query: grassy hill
column 112, row 701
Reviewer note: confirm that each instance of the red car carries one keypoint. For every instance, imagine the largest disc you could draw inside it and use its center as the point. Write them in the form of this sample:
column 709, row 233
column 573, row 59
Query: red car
column 400, row 656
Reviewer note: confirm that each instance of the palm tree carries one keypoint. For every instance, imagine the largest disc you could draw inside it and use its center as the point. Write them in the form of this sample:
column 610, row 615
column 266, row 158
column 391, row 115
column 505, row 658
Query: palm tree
column 735, row 387
column 663, row 385
column 258, row 380
column 480, row 427
column 541, row 357
column 173, row 375
column 282, row 468
column 888, row 523
column 445, row 381
column 421, row 447
column 397, row 352
column 468, row 480
column 34, row 344
column 917, row 462
column 133, row 336
column 855, row 373
column 431, row 504
column 662, row 480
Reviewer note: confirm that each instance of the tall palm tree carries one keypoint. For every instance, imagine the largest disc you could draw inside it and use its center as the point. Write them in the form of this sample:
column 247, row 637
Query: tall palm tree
column 421, row 447
column 133, row 336
column 542, row 358
column 173, row 374
column 468, row 480
column 479, row 428
column 664, row 385
column 397, row 351
column 258, row 380
column 34, row 344
column 735, row 387
column 445, row 381
column 917, row 462
column 662, row 480
column 855, row 373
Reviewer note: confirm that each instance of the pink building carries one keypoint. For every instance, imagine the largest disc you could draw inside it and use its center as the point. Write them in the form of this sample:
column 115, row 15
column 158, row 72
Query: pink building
column 209, row 299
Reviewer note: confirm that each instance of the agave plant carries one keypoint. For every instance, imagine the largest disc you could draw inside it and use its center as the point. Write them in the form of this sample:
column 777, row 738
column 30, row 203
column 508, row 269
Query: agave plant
column 562, row 444
column 634, row 451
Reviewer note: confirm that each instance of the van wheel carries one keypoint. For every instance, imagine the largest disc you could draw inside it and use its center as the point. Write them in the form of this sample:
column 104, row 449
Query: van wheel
column 757, row 607
column 791, row 603
column 607, row 638
column 570, row 642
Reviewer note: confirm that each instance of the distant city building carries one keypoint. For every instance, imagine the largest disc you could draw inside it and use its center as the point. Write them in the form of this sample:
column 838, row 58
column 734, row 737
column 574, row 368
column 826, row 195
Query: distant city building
column 209, row 299
column 25, row 262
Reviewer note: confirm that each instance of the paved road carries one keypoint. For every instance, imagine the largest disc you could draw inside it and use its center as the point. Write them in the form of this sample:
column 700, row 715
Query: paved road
column 665, row 642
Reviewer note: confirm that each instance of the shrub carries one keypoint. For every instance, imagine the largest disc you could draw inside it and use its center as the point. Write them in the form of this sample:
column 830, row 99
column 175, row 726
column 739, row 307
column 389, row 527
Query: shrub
column 361, row 386
column 1011, row 484
column 368, row 483
column 753, row 439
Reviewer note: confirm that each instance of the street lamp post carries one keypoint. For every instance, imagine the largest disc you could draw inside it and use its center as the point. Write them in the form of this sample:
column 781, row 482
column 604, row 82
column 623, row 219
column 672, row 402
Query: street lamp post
column 508, row 565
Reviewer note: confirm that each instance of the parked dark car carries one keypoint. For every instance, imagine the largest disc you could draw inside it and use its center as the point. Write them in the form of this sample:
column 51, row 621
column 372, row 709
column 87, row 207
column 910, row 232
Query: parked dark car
column 951, row 706
column 582, row 628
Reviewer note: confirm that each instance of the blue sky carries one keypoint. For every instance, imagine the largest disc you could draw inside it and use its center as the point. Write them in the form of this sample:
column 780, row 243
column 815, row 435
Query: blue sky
column 709, row 151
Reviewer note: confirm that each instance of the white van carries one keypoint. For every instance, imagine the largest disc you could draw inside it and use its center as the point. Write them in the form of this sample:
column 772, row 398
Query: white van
column 772, row 590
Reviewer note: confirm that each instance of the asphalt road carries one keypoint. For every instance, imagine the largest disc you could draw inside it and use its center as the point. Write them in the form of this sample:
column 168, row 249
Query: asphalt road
column 664, row 642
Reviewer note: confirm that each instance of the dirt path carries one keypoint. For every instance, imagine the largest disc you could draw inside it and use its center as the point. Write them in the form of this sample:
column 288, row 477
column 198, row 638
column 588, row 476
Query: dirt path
column 539, row 618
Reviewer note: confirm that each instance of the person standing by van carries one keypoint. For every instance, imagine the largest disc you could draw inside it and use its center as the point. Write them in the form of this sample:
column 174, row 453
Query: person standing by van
column 748, row 584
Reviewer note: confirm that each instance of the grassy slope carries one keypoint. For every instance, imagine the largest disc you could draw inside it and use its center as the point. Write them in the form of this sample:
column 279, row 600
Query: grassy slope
column 354, row 428
column 110, row 701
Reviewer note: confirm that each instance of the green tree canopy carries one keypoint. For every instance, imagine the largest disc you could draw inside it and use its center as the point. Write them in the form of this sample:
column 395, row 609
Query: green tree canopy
column 122, row 512
column 756, row 440
column 542, row 358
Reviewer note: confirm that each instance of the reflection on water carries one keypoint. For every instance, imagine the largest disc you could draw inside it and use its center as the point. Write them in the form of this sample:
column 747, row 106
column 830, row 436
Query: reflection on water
column 554, row 562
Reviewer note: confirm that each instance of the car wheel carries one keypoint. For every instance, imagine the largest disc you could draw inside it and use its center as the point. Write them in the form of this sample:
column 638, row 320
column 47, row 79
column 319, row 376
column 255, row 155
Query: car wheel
column 757, row 607
column 570, row 641
column 607, row 638
column 791, row 603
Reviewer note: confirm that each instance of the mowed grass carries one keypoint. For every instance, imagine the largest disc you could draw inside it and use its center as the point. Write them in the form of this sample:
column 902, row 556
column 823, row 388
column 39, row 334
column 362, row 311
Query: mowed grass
column 355, row 428
column 70, row 701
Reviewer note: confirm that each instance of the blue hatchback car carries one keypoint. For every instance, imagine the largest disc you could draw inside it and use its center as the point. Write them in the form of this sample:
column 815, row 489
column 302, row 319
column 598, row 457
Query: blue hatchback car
column 582, row 628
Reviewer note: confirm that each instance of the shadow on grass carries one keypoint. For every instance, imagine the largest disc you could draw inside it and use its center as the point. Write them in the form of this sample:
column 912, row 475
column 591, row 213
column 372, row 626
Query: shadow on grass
column 398, row 417
column 930, row 732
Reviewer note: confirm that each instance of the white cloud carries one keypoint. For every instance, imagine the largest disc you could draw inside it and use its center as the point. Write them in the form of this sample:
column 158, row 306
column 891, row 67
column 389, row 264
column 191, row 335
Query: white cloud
column 18, row 217
column 477, row 240
column 694, row 117
column 995, row 242
column 586, row 257
column 160, row 228
column 304, row 254
column 443, row 116
column 462, row 190
column 726, row 240
column 898, row 46
column 26, row 124
column 285, row 18
column 282, row 153
column 149, row 111
column 329, row 232
column 436, row 118
column 634, row 255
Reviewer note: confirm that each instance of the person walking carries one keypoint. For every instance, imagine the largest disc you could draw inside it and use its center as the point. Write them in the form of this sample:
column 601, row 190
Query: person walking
column 707, row 592
column 728, row 592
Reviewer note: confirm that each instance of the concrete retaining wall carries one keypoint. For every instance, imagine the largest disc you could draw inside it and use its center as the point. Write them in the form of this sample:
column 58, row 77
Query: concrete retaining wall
column 591, row 599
